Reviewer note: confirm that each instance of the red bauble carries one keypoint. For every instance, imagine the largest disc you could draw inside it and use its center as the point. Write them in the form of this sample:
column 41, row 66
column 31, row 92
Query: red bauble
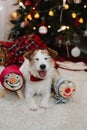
column 27, row 3
column 24, row 24
column 43, row 29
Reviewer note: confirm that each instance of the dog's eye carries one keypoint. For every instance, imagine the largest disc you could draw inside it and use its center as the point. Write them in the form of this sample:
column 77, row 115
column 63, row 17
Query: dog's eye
column 46, row 58
column 37, row 59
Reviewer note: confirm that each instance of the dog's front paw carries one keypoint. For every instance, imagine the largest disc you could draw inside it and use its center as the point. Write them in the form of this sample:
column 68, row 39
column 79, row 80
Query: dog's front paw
column 44, row 105
column 33, row 107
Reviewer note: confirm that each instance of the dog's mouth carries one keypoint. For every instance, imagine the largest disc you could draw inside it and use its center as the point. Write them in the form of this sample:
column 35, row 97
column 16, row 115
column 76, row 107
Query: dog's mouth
column 42, row 74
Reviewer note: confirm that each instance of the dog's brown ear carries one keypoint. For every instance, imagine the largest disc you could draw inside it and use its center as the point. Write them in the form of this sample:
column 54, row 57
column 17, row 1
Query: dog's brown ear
column 52, row 52
column 28, row 54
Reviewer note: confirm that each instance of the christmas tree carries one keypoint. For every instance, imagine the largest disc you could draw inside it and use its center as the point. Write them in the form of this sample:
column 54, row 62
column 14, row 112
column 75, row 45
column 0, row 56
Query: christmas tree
column 62, row 24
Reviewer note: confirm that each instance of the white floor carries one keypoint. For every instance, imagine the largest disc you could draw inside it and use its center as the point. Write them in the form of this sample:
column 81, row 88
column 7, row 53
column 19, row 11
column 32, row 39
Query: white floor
column 15, row 114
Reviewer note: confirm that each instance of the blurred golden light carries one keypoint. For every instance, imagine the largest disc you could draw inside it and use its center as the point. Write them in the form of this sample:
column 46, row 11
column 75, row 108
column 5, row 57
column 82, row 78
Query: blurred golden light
column 29, row 17
column 36, row 15
column 73, row 15
column 14, row 15
column 81, row 20
column 66, row 6
column 51, row 13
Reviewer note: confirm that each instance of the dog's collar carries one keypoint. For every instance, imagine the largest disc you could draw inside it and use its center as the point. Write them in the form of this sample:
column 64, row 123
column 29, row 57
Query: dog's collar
column 34, row 79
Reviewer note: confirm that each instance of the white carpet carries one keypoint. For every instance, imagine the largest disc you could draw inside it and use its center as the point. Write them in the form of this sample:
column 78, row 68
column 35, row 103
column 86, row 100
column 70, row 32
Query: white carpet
column 15, row 114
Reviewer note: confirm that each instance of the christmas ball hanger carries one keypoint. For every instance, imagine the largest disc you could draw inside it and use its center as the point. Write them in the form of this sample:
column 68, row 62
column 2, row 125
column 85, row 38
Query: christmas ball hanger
column 43, row 29
column 75, row 52
column 77, row 1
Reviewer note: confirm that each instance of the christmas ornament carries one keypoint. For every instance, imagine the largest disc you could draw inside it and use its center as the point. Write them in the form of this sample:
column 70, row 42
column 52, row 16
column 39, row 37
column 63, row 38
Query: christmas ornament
column 24, row 24
column 77, row 1
column 27, row 3
column 15, row 15
column 75, row 52
column 22, row 5
column 64, row 89
column 43, row 30
column 62, row 28
column 64, row 2
column 12, row 78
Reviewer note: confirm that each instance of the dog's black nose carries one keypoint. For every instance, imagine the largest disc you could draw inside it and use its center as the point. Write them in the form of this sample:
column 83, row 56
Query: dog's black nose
column 42, row 66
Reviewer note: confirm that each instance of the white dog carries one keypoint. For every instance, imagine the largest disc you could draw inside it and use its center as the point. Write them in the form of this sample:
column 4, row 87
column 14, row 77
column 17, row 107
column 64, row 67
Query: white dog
column 38, row 70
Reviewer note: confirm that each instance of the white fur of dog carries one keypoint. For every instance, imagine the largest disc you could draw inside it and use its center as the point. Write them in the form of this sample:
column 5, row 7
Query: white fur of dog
column 40, row 64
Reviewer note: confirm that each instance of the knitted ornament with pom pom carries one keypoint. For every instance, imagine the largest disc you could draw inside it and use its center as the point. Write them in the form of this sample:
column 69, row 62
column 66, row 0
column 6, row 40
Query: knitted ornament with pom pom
column 64, row 89
column 12, row 78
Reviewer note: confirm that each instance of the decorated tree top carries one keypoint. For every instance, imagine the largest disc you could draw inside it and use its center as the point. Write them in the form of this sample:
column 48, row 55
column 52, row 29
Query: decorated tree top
column 52, row 20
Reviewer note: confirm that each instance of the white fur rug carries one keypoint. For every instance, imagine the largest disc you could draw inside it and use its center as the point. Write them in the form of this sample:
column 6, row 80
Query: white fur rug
column 15, row 114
